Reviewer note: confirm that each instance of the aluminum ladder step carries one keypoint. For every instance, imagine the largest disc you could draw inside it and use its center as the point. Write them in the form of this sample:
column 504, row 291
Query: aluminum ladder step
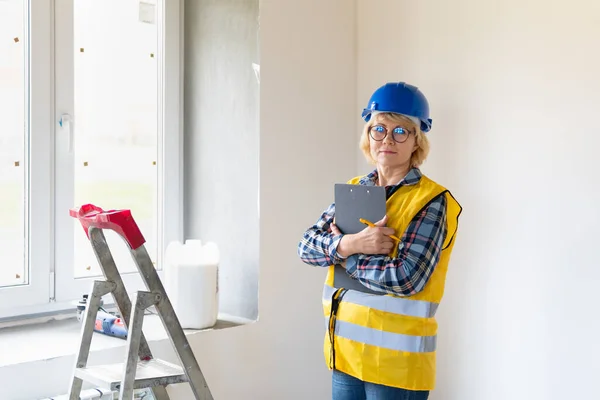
column 150, row 373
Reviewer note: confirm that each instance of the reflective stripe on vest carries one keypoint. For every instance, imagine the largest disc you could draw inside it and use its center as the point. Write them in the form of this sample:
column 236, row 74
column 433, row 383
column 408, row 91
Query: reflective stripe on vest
column 386, row 340
column 396, row 305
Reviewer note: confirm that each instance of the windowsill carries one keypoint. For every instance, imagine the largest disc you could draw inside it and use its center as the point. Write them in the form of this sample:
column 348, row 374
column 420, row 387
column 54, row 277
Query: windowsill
column 57, row 338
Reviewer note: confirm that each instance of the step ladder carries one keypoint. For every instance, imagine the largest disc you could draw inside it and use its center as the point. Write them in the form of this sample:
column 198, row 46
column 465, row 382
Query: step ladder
column 141, row 369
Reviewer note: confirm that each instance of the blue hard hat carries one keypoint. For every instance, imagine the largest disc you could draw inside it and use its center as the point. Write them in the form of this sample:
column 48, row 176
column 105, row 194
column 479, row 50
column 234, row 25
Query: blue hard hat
column 400, row 98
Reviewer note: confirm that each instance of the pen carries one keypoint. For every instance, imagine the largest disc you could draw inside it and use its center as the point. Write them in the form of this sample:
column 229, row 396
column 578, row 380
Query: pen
column 372, row 225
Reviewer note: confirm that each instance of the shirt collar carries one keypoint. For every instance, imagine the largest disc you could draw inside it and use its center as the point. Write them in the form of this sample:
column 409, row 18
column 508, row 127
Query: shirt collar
column 411, row 178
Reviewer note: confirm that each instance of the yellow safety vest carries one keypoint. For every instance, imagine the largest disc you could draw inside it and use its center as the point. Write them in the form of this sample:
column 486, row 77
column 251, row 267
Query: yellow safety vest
column 387, row 339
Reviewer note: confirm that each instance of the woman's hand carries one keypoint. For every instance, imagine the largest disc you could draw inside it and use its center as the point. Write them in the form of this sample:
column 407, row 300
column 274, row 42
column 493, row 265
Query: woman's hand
column 371, row 240
column 375, row 240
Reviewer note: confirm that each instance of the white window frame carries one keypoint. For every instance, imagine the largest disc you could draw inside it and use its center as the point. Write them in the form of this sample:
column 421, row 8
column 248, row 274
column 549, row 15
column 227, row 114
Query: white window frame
column 52, row 285
column 38, row 79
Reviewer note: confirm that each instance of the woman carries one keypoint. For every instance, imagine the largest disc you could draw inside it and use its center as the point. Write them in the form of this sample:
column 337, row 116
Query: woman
column 382, row 346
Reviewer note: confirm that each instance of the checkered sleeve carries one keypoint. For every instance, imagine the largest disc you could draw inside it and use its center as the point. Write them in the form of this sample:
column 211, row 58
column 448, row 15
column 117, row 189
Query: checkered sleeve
column 318, row 245
column 418, row 253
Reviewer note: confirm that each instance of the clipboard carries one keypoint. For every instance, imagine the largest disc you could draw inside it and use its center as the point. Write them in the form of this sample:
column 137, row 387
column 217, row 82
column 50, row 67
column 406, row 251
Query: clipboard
column 353, row 202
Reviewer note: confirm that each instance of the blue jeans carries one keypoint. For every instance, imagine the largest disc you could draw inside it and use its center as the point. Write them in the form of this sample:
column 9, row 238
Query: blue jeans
column 346, row 387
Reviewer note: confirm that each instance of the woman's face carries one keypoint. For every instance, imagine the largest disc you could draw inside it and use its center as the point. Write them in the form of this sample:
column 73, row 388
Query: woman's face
column 391, row 142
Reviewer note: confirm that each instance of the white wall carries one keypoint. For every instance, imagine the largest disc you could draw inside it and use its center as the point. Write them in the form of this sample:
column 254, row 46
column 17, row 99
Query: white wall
column 307, row 111
column 222, row 142
column 514, row 89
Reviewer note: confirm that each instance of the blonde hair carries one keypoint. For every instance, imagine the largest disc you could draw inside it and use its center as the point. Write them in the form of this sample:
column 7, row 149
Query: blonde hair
column 418, row 156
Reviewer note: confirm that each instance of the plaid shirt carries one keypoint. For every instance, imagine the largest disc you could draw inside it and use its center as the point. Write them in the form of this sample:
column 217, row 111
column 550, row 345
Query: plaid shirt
column 418, row 251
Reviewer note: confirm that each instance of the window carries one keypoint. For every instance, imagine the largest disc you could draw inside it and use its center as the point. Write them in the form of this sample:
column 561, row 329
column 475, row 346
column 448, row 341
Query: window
column 13, row 177
column 90, row 92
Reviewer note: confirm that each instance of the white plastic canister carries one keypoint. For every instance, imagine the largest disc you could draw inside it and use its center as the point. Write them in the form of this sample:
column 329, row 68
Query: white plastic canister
column 191, row 282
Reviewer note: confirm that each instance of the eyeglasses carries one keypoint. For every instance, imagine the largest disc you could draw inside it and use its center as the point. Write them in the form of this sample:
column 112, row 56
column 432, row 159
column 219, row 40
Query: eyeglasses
column 379, row 132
